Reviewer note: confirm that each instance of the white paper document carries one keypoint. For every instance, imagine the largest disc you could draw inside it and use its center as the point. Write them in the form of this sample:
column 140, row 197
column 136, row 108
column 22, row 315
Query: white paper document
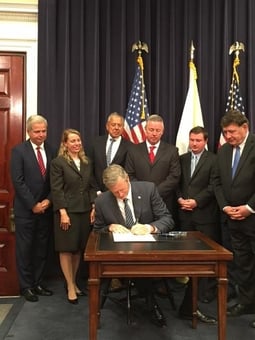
column 128, row 237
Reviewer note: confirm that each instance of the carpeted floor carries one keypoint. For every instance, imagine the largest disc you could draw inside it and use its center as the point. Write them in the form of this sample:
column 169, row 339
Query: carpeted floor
column 9, row 309
column 53, row 318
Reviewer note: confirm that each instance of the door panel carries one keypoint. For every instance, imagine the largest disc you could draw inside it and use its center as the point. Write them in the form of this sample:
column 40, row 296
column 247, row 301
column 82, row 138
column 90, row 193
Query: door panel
column 12, row 132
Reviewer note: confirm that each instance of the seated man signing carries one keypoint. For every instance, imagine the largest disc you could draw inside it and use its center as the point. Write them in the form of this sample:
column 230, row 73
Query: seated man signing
column 134, row 207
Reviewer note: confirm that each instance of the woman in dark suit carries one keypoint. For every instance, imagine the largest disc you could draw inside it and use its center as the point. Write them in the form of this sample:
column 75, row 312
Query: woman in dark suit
column 73, row 197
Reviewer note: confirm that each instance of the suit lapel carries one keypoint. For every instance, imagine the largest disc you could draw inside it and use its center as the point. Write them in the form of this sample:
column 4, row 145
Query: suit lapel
column 113, row 206
column 32, row 156
column 137, row 203
column 249, row 145
column 200, row 163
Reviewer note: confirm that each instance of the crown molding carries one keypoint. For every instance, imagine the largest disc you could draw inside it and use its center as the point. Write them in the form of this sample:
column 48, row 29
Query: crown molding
column 19, row 7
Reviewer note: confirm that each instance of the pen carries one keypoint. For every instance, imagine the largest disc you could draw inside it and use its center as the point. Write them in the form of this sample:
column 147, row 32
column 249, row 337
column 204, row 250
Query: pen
column 174, row 234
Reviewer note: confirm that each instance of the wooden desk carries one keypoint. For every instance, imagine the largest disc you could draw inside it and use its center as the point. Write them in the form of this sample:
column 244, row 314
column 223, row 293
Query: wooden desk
column 193, row 255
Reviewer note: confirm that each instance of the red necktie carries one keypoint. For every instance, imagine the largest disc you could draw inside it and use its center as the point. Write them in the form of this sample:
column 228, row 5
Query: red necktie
column 151, row 153
column 40, row 161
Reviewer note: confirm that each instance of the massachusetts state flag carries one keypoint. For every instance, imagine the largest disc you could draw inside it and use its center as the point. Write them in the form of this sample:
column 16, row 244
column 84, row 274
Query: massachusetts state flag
column 137, row 111
column 192, row 113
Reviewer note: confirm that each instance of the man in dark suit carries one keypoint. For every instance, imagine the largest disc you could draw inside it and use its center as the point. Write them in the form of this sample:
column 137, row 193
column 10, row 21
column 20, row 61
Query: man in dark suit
column 32, row 207
column 198, row 208
column 146, row 210
column 235, row 192
column 109, row 148
column 155, row 161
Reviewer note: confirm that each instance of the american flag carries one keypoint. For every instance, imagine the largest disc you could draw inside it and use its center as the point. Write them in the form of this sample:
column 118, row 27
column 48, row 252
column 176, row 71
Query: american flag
column 235, row 100
column 137, row 111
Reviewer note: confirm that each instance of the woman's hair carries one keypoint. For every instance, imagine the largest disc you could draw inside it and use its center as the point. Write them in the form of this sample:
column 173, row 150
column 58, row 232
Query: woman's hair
column 63, row 150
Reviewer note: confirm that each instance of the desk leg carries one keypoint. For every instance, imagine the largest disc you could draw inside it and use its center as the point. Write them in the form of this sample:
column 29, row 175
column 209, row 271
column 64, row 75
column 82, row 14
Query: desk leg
column 194, row 301
column 94, row 309
column 222, row 307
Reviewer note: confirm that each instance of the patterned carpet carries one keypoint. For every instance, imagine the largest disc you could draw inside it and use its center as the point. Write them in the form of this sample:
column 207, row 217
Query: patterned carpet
column 9, row 309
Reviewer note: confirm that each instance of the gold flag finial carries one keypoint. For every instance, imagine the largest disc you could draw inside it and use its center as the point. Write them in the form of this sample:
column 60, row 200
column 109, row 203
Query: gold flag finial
column 236, row 47
column 140, row 46
column 192, row 49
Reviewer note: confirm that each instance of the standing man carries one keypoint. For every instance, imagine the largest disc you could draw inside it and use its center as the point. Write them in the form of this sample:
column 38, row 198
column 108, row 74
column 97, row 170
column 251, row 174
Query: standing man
column 110, row 148
column 30, row 163
column 155, row 161
column 134, row 207
column 235, row 192
column 198, row 208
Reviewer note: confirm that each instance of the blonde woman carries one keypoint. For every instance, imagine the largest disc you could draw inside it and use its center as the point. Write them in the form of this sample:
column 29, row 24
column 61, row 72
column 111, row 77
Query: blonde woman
column 73, row 197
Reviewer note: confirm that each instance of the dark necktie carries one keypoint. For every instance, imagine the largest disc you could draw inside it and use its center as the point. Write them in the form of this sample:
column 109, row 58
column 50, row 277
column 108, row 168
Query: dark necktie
column 151, row 153
column 194, row 160
column 236, row 161
column 40, row 161
column 128, row 214
column 109, row 152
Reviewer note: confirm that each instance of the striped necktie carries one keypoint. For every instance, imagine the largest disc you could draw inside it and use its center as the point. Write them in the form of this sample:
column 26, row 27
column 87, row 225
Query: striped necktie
column 40, row 161
column 109, row 152
column 128, row 214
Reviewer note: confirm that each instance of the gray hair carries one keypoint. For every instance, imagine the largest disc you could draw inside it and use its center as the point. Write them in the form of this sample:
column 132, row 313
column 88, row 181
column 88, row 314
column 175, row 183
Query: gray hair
column 112, row 173
column 233, row 117
column 115, row 114
column 155, row 118
column 35, row 119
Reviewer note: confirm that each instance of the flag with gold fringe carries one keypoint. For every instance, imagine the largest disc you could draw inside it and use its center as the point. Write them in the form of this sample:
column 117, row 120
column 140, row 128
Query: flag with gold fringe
column 192, row 113
column 137, row 110
column 235, row 100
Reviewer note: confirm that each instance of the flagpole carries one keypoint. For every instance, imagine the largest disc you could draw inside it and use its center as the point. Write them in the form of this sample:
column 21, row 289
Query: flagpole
column 236, row 48
column 234, row 100
column 137, row 110
column 139, row 47
column 192, row 113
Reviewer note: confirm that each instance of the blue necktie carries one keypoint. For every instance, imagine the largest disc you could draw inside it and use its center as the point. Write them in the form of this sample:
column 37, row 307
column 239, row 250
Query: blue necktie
column 109, row 152
column 236, row 160
column 128, row 214
column 194, row 160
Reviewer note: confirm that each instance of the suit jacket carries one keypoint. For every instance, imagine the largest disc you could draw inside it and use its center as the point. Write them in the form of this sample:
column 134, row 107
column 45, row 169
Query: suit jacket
column 71, row 189
column 200, row 188
column 164, row 172
column 241, row 189
column 29, row 185
column 148, row 208
column 98, row 157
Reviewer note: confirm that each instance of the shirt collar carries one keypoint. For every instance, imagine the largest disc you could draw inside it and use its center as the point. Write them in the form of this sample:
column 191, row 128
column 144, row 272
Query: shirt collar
column 155, row 145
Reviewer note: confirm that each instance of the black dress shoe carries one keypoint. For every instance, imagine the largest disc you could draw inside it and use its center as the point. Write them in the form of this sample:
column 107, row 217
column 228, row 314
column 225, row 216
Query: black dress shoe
column 81, row 293
column 240, row 309
column 252, row 324
column 200, row 316
column 157, row 316
column 29, row 295
column 40, row 290
column 73, row 301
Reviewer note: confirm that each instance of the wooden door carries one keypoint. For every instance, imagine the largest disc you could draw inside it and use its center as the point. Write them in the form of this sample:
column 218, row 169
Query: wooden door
column 12, row 103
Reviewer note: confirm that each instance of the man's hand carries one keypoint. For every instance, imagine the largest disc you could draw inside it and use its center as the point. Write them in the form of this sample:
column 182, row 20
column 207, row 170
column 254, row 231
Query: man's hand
column 187, row 204
column 237, row 213
column 141, row 229
column 118, row 228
